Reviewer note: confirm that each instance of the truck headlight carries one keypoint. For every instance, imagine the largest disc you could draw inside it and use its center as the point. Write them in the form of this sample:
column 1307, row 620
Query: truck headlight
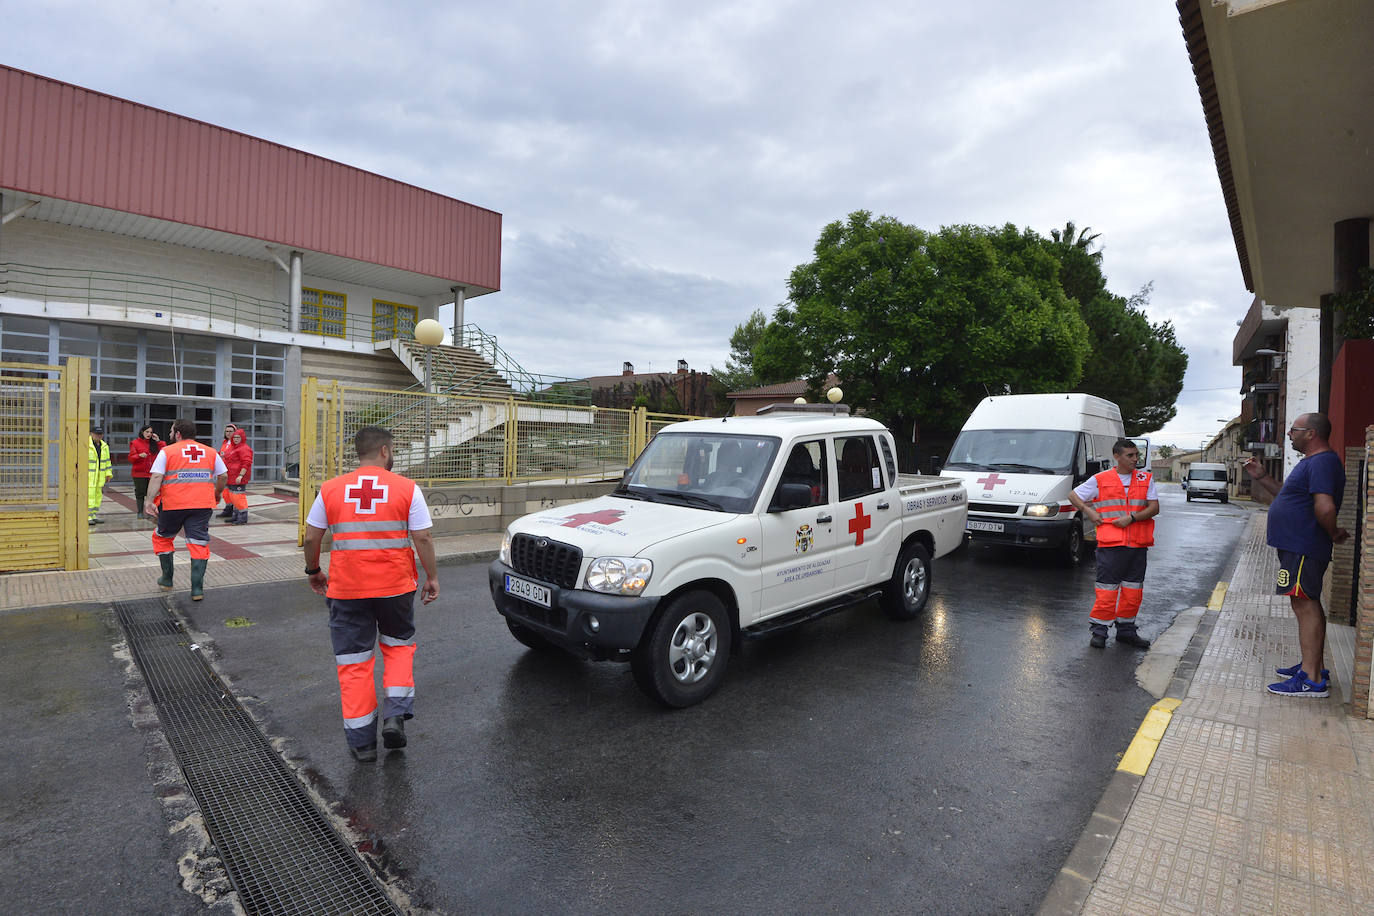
column 619, row 575
column 1040, row 510
column 505, row 548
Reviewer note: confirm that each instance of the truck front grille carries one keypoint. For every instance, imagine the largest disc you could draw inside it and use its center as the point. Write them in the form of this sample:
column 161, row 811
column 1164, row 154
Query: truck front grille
column 1000, row 508
column 550, row 561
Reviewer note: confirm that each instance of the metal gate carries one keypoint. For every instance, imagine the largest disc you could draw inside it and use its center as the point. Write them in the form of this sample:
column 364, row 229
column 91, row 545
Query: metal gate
column 44, row 433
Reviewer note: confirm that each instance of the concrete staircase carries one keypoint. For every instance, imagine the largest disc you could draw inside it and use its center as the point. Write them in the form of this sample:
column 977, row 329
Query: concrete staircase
column 456, row 369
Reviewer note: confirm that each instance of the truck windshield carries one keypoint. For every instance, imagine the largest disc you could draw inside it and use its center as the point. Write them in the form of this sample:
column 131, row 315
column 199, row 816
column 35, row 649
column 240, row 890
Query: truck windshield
column 1206, row 474
column 721, row 472
column 1021, row 451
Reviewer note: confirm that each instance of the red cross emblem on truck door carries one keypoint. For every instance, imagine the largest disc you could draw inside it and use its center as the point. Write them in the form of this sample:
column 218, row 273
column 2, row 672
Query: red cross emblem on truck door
column 605, row 517
column 194, row 452
column 859, row 524
column 365, row 495
column 991, row 481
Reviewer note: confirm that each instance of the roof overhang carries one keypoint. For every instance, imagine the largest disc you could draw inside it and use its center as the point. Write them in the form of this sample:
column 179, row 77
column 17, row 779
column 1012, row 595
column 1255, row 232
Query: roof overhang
column 1287, row 88
column 315, row 264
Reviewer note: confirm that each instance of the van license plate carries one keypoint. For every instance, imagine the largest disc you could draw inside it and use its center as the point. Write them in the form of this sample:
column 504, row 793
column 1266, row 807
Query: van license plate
column 534, row 594
column 985, row 526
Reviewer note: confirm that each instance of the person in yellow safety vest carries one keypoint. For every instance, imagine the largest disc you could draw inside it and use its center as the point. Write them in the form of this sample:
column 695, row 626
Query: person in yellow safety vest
column 99, row 470
column 374, row 516
column 1123, row 502
column 186, row 483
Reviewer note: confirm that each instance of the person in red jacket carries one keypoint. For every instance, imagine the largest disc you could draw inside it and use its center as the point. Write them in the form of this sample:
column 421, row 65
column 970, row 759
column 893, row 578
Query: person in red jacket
column 142, row 450
column 375, row 517
column 239, row 460
column 224, row 453
column 1122, row 502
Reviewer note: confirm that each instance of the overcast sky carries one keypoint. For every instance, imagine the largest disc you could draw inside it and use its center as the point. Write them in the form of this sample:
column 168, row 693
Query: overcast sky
column 662, row 167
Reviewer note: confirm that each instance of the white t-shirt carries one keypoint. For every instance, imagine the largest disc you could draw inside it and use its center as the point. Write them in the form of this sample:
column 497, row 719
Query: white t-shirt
column 418, row 520
column 160, row 464
column 1087, row 490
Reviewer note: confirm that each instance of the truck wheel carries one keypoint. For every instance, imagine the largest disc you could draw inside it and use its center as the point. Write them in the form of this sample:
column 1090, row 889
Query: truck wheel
column 1190, row 497
column 908, row 590
column 529, row 638
column 681, row 659
column 1073, row 546
column 1224, row 500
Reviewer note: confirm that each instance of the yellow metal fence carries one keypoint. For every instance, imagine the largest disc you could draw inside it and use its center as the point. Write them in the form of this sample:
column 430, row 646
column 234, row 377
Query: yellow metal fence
column 44, row 433
column 445, row 439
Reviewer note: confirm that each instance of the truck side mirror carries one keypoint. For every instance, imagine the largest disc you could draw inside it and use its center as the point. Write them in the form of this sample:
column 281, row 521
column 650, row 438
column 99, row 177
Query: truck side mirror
column 790, row 496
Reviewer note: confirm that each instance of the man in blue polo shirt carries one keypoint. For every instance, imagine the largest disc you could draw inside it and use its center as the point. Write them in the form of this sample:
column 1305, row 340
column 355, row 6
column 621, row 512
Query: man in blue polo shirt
column 1302, row 528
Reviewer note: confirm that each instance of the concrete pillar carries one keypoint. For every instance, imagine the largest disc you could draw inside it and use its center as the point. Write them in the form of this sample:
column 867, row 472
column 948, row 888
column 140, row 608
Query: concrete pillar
column 459, row 299
column 294, row 294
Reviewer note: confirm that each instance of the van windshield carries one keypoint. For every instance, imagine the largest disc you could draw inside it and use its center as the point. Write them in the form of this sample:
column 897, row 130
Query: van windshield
column 1206, row 474
column 1020, row 451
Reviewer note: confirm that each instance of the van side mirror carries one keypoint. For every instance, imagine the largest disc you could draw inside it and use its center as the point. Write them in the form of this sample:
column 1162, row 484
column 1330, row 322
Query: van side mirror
column 790, row 496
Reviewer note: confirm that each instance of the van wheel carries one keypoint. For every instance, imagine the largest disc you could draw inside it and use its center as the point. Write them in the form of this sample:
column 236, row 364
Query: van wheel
column 1190, row 497
column 682, row 657
column 908, row 590
column 1225, row 500
column 1073, row 546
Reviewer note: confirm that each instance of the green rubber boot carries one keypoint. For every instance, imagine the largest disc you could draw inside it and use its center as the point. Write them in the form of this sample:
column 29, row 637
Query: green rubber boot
column 165, row 580
column 198, row 579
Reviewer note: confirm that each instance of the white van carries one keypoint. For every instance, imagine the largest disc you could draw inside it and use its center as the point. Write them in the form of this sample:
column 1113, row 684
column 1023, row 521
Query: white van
column 1206, row 481
column 1019, row 455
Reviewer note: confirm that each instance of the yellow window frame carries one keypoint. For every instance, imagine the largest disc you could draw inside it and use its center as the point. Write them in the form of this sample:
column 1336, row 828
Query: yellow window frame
column 388, row 319
column 321, row 316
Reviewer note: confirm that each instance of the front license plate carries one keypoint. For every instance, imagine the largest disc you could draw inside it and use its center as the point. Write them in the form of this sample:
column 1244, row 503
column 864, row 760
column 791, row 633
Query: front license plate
column 983, row 526
column 530, row 591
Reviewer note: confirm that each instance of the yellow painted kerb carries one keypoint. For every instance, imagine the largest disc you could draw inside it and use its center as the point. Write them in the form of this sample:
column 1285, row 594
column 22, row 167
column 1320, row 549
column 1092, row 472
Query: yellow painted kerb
column 1218, row 596
column 1142, row 750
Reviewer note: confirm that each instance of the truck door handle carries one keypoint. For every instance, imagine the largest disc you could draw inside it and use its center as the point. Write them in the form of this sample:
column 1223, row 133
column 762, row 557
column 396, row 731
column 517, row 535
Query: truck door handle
column 823, row 520
column 883, row 505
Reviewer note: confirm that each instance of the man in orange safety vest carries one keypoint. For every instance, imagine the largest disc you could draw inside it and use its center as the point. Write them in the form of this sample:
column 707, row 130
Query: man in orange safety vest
column 184, row 485
column 374, row 516
column 1123, row 502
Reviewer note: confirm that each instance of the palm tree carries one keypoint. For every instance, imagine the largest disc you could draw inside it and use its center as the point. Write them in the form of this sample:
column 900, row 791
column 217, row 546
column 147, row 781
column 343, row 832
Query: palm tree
column 1071, row 237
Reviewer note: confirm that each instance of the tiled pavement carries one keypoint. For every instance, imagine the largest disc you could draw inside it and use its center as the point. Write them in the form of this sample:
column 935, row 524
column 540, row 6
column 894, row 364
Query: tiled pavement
column 1253, row 803
column 122, row 564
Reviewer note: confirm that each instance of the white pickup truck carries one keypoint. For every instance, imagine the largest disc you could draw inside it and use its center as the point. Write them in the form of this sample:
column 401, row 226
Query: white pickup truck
column 723, row 529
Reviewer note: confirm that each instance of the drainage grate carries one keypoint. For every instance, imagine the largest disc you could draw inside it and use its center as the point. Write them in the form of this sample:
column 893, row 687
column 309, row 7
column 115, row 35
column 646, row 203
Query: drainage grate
column 281, row 853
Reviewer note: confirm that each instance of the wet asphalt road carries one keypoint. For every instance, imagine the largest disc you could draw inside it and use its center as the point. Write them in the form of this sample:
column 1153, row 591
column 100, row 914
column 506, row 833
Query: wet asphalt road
column 855, row 764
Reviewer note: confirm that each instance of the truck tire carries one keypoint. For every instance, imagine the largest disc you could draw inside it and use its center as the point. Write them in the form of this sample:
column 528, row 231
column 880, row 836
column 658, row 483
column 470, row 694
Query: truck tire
column 529, row 638
column 1190, row 497
column 1072, row 551
column 682, row 657
column 908, row 590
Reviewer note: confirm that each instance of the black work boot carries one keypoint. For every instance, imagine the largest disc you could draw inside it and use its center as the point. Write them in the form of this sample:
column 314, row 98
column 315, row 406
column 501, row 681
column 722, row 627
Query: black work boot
column 165, row 580
column 1099, row 637
column 198, row 579
column 1127, row 636
column 227, row 513
column 365, row 754
column 394, row 731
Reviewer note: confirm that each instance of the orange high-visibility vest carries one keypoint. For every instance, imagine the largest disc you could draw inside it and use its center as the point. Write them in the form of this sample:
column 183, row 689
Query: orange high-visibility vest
column 369, row 517
column 189, row 479
column 1114, row 501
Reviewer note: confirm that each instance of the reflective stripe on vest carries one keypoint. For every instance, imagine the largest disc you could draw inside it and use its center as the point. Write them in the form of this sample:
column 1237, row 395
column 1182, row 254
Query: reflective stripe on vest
column 188, row 481
column 1115, row 501
column 371, row 554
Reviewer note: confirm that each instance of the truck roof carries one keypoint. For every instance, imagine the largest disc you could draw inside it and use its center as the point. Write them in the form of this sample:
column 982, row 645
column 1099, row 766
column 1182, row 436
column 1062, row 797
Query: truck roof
column 1043, row 411
column 782, row 424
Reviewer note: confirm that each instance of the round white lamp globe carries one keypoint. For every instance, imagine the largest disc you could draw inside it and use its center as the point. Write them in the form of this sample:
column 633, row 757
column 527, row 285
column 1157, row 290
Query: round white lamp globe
column 834, row 395
column 799, row 401
column 429, row 332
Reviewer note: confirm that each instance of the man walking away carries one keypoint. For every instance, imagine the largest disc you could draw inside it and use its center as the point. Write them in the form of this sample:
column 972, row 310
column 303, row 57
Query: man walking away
column 239, row 461
column 373, row 515
column 99, row 470
column 1302, row 527
column 1124, row 502
column 187, row 478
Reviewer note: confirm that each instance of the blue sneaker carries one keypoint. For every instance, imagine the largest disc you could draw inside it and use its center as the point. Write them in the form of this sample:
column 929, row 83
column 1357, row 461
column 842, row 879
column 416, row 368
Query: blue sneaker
column 1294, row 669
column 1299, row 686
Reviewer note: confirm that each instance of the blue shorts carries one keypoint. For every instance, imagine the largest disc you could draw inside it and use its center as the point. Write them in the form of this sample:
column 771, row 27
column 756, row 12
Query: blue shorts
column 1300, row 576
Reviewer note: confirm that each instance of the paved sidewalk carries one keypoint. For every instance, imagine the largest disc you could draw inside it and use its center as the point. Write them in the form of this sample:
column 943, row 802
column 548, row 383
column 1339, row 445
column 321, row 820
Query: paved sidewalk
column 123, row 566
column 1253, row 803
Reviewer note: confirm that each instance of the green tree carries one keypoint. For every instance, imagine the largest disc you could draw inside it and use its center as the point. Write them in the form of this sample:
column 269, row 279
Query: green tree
column 1165, row 451
column 739, row 373
column 921, row 326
